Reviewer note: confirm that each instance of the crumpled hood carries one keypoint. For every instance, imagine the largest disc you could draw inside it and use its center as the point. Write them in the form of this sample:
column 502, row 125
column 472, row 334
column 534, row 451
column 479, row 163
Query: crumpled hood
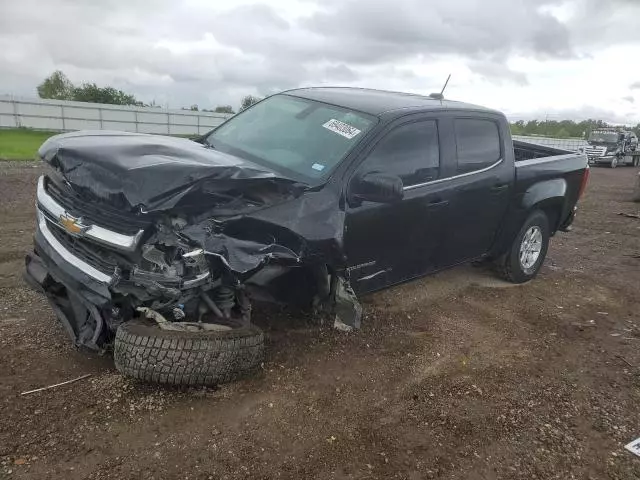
column 149, row 172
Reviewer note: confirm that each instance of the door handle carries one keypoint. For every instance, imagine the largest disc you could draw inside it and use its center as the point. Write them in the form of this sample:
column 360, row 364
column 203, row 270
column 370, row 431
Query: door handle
column 499, row 188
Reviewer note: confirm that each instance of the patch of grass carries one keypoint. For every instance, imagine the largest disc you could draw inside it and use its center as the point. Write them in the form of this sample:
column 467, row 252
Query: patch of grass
column 21, row 143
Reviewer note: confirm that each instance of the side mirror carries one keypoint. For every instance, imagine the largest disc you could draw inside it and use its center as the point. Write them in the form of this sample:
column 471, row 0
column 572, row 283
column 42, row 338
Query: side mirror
column 378, row 188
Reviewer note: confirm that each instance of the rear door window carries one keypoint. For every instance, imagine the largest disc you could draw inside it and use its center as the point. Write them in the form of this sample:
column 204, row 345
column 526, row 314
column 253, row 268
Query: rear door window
column 477, row 144
column 410, row 151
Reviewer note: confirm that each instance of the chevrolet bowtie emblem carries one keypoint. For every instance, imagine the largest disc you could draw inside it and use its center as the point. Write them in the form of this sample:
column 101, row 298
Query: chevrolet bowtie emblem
column 72, row 225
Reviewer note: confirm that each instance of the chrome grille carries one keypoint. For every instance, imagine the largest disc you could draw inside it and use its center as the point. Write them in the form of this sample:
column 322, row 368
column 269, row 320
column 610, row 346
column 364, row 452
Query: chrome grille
column 86, row 251
column 592, row 151
column 95, row 212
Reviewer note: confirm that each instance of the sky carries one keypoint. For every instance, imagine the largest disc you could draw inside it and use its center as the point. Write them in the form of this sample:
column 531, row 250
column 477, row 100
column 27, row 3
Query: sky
column 540, row 59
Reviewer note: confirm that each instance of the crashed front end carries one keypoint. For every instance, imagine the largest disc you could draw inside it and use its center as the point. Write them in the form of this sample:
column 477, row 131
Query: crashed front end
column 97, row 266
column 205, row 250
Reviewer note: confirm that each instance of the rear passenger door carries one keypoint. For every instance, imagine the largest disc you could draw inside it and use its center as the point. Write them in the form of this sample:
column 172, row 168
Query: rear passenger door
column 390, row 243
column 482, row 178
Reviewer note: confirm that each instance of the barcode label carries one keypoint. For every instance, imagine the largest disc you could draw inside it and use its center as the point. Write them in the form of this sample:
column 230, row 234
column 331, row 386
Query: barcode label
column 341, row 128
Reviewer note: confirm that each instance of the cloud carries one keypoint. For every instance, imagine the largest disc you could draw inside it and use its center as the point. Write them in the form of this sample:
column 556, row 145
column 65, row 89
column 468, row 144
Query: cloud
column 181, row 52
column 380, row 29
column 635, row 86
column 341, row 73
column 629, row 99
column 497, row 72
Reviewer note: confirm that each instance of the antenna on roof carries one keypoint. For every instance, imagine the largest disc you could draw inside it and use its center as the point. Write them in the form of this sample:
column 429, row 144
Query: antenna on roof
column 440, row 96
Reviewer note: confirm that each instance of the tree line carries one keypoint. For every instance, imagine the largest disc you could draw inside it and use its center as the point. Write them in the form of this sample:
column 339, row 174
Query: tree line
column 562, row 128
column 57, row 86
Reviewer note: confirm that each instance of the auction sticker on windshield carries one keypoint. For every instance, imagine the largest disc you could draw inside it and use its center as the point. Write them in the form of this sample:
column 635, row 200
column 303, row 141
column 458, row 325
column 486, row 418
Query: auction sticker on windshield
column 341, row 128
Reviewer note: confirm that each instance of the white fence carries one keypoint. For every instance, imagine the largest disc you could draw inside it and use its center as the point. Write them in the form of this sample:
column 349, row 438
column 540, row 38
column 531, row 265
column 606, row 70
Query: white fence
column 61, row 115
column 571, row 144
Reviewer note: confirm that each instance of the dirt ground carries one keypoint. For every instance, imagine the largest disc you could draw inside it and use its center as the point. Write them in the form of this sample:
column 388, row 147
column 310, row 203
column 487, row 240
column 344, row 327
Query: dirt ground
column 456, row 376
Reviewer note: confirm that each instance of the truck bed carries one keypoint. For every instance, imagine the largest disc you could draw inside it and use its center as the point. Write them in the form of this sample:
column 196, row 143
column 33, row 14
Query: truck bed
column 528, row 151
column 550, row 173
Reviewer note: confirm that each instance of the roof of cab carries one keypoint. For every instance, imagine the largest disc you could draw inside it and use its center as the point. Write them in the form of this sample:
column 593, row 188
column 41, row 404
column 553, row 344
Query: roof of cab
column 376, row 102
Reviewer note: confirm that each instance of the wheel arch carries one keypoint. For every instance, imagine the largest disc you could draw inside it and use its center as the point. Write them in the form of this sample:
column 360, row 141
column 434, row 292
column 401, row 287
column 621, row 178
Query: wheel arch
column 549, row 196
column 552, row 207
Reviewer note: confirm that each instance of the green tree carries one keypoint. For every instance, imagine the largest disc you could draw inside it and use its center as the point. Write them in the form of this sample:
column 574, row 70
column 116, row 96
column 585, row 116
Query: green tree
column 56, row 86
column 247, row 101
column 90, row 92
column 558, row 129
column 224, row 109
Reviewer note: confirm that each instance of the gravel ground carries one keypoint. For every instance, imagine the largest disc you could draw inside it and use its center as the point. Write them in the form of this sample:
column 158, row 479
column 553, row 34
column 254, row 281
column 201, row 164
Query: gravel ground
column 456, row 376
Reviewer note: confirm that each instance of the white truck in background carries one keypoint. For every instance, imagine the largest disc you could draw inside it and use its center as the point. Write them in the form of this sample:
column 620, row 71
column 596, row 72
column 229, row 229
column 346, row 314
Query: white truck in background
column 612, row 147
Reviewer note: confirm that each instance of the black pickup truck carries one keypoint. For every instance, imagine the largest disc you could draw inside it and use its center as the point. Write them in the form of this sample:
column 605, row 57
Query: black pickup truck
column 160, row 246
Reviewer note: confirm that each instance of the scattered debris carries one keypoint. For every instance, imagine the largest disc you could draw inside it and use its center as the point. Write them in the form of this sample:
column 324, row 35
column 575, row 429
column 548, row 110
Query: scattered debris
column 634, row 447
column 626, row 361
column 630, row 215
column 56, row 385
column 341, row 326
column 591, row 323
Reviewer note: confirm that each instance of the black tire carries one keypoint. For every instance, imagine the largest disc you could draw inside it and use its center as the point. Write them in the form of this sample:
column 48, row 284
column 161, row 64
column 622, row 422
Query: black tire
column 144, row 351
column 509, row 265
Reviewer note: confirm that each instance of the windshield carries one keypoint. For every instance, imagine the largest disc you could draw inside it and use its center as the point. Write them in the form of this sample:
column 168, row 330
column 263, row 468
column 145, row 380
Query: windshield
column 603, row 137
column 300, row 137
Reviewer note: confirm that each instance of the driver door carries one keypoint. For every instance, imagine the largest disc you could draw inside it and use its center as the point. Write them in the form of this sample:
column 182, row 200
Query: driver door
column 387, row 243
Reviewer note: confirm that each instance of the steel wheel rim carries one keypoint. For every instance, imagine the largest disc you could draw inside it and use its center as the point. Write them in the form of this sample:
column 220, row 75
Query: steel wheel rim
column 530, row 248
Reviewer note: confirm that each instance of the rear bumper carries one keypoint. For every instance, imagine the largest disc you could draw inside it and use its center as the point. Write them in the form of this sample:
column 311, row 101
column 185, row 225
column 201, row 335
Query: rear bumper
column 566, row 225
column 79, row 300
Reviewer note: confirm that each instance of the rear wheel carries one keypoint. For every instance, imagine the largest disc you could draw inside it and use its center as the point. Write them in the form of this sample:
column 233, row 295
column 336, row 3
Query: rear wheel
column 527, row 253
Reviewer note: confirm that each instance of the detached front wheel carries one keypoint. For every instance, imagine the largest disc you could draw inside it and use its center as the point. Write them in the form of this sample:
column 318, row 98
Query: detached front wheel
column 528, row 251
column 220, row 354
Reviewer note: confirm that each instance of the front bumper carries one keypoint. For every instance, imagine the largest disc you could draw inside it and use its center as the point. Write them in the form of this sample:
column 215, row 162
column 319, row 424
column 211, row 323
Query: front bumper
column 78, row 292
column 598, row 160
column 79, row 302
